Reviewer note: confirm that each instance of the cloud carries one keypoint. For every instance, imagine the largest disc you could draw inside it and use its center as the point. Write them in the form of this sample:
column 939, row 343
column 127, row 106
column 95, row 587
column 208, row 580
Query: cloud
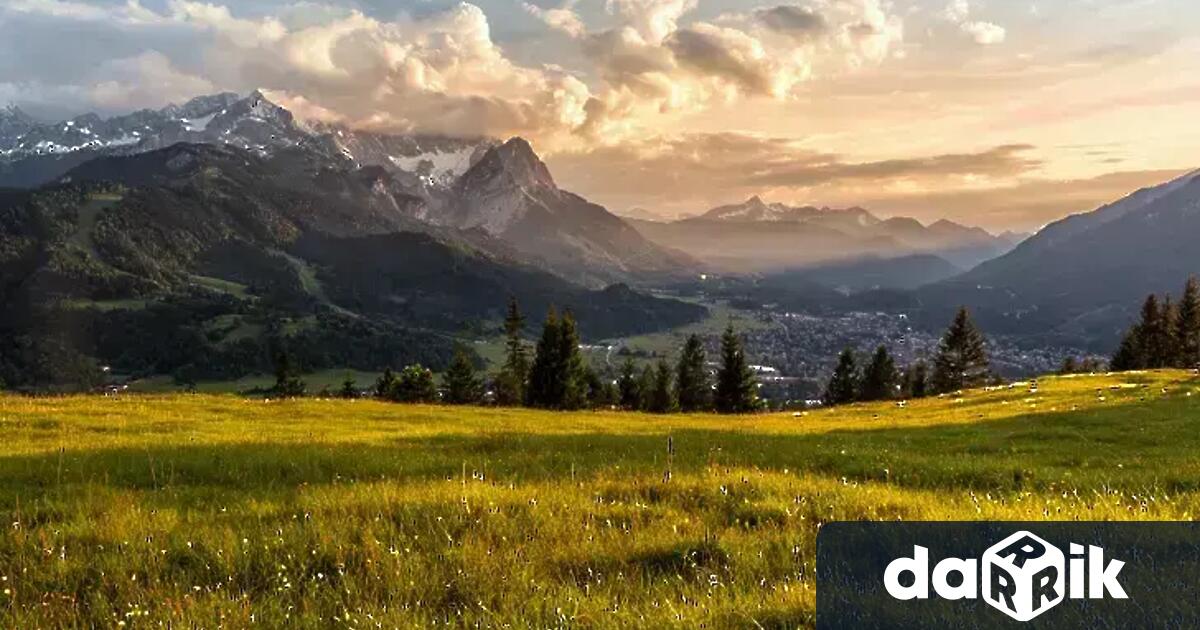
column 731, row 56
column 563, row 19
column 984, row 33
column 653, row 20
column 652, row 62
column 998, row 162
column 130, row 82
column 798, row 22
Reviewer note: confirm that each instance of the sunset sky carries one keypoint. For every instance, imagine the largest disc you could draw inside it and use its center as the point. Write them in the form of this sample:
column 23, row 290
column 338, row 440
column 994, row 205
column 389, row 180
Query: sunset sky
column 1004, row 114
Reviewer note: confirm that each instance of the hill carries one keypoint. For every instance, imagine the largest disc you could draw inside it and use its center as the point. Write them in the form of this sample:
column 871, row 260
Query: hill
column 293, row 513
column 1082, row 278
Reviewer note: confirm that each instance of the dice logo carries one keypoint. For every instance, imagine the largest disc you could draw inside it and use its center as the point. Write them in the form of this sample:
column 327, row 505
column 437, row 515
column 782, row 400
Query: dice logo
column 1024, row 576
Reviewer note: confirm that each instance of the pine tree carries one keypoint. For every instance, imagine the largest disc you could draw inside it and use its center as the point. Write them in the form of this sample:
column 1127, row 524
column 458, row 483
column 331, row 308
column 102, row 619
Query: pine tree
column 1168, row 352
column 1069, row 366
column 415, row 385
column 691, row 378
column 843, row 387
column 544, row 390
column 645, row 388
column 628, row 386
column 918, row 380
column 736, row 390
column 287, row 376
column 662, row 398
column 1150, row 333
column 602, row 392
column 879, row 379
column 574, row 374
column 349, row 389
column 1187, row 328
column 385, row 385
column 462, row 384
column 961, row 360
column 511, row 382
column 1130, row 354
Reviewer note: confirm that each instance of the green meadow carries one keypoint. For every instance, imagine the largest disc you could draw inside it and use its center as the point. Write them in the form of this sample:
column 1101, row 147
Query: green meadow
column 206, row 511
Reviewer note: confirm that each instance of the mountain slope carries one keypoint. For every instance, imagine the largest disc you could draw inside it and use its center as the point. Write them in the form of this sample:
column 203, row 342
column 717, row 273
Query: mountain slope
column 1083, row 275
column 905, row 272
column 510, row 194
column 207, row 254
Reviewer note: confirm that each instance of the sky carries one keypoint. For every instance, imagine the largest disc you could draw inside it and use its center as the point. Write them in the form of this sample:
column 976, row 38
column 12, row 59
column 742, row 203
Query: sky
column 1006, row 114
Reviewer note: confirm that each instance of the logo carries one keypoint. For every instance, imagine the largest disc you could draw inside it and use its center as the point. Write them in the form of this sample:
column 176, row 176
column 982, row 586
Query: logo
column 1022, row 576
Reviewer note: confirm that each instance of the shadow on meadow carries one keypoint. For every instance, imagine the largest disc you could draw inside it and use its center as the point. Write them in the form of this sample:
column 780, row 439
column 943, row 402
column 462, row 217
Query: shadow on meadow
column 1131, row 447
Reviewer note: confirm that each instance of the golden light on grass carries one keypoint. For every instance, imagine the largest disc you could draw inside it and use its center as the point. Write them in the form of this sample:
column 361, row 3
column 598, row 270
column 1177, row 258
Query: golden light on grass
column 214, row 510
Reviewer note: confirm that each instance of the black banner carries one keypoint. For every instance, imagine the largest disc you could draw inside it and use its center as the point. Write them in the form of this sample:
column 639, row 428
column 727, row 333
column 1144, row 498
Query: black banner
column 1008, row 575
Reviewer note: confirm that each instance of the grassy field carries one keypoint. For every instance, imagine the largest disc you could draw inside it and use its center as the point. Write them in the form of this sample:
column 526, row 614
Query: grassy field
column 213, row 511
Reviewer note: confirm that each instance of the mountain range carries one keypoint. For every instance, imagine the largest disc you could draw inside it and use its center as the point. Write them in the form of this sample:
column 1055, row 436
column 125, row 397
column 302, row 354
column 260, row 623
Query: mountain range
column 228, row 227
column 756, row 236
column 503, row 189
column 211, row 230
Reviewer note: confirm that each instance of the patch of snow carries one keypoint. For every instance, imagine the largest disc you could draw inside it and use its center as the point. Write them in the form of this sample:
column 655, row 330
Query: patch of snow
column 198, row 124
column 443, row 167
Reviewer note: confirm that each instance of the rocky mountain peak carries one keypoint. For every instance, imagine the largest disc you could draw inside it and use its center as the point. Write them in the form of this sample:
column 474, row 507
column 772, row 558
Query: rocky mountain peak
column 512, row 165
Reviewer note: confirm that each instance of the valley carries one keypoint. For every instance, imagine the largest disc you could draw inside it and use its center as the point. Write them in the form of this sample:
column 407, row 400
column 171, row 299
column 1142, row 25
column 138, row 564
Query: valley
column 220, row 241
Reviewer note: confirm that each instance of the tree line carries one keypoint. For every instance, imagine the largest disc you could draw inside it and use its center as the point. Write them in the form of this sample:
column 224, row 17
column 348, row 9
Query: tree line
column 554, row 375
column 1167, row 334
column 961, row 362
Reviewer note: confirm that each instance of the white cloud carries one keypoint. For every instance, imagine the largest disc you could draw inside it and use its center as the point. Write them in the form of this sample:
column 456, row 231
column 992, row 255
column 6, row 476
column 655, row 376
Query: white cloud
column 653, row 62
column 563, row 18
column 654, row 20
column 126, row 84
column 983, row 33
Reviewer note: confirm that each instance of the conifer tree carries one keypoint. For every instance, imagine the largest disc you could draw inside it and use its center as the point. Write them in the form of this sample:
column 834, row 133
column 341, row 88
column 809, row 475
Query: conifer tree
column 462, row 384
column 544, row 390
column 385, row 384
column 918, row 380
column 1187, row 327
column 287, row 375
column 736, row 390
column 1151, row 333
column 662, row 399
column 415, row 385
column 1069, row 366
column 511, row 382
column 1129, row 355
column 879, row 379
column 1168, row 352
column 961, row 361
column 843, row 387
column 646, row 389
column 602, row 391
column 691, row 378
column 629, row 387
column 574, row 372
column 349, row 389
